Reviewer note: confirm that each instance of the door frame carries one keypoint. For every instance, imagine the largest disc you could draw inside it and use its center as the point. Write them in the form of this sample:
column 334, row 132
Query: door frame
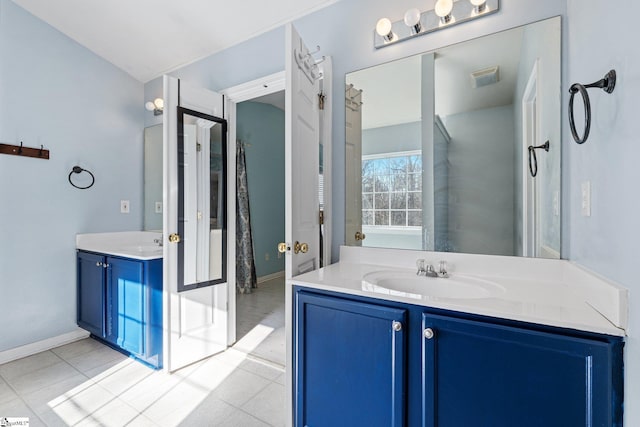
column 531, row 115
column 250, row 90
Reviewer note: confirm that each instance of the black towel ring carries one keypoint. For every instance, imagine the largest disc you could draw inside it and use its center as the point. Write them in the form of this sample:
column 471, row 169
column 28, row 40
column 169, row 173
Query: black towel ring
column 78, row 169
column 608, row 83
column 533, row 167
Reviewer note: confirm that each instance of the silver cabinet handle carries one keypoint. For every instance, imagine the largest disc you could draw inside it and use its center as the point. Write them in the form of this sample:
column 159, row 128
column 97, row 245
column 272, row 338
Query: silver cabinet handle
column 428, row 333
column 98, row 264
column 396, row 326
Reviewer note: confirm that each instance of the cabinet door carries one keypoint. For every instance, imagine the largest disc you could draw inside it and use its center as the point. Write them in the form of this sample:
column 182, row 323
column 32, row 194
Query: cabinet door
column 91, row 293
column 349, row 363
column 126, row 298
column 479, row 374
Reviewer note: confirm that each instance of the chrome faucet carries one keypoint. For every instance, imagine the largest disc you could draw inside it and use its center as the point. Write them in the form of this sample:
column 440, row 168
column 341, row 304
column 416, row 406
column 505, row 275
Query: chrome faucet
column 158, row 241
column 425, row 269
column 428, row 270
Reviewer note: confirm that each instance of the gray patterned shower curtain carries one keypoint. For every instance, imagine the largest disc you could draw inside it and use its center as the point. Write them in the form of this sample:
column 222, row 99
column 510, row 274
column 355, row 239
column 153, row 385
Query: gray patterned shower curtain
column 245, row 263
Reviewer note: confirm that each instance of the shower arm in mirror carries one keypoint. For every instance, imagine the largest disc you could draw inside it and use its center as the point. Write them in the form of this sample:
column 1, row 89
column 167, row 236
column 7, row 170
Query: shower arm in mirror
column 608, row 84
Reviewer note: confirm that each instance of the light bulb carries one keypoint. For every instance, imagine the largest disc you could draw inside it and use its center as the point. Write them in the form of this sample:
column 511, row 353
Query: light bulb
column 443, row 10
column 150, row 106
column 383, row 28
column 158, row 103
column 412, row 19
column 478, row 5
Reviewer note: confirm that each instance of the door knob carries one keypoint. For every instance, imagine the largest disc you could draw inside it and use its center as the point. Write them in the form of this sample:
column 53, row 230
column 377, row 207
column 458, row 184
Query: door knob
column 283, row 247
column 360, row 236
column 174, row 238
column 428, row 333
column 396, row 326
column 300, row 247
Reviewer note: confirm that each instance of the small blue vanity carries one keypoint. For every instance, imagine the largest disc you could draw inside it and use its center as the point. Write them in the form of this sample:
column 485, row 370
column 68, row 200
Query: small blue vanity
column 381, row 356
column 119, row 291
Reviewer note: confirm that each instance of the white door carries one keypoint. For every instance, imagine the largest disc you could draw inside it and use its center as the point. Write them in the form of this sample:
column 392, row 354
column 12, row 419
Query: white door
column 195, row 321
column 302, row 225
column 353, row 158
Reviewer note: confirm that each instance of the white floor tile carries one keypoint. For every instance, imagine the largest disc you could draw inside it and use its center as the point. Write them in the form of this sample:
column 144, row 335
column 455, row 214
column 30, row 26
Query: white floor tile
column 268, row 405
column 17, row 408
column 239, row 387
column 116, row 413
column 46, row 398
column 26, row 365
column 240, row 419
column 83, row 404
column 102, row 357
column 121, row 377
column 210, row 412
column 6, row 393
column 141, row 421
column 77, row 348
column 176, row 404
column 41, row 378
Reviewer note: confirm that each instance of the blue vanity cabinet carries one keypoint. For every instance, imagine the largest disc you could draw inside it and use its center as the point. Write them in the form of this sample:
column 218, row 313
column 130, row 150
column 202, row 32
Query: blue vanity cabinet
column 484, row 374
column 446, row 368
column 349, row 363
column 91, row 293
column 125, row 307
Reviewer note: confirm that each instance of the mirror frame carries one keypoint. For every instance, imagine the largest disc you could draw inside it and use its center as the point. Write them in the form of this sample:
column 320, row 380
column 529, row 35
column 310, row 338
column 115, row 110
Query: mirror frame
column 181, row 112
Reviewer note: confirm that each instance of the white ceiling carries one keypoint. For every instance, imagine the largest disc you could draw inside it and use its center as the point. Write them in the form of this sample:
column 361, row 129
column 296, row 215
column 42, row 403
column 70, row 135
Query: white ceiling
column 147, row 38
column 400, row 101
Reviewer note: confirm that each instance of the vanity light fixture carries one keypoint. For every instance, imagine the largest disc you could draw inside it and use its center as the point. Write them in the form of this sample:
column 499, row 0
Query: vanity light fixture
column 384, row 29
column 443, row 10
column 157, row 105
column 446, row 13
column 412, row 20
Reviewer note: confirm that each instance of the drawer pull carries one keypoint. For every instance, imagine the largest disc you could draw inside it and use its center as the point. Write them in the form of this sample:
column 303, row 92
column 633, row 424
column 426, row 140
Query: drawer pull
column 396, row 326
column 428, row 333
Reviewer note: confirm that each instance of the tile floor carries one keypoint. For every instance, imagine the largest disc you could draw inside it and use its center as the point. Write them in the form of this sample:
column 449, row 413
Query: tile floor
column 88, row 384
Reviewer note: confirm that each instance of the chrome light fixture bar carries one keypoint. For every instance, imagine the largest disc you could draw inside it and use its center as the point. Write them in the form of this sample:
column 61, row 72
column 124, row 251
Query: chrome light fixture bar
column 446, row 14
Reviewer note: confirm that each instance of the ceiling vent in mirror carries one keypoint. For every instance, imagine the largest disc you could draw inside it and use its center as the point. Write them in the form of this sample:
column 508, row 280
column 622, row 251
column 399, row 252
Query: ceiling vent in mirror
column 485, row 77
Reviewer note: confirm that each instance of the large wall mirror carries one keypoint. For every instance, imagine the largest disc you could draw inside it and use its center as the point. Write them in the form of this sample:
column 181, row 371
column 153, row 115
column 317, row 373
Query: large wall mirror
column 202, row 195
column 153, row 178
column 437, row 147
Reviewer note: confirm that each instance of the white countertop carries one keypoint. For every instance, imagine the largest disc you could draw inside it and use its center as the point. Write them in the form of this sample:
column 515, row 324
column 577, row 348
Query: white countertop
column 128, row 244
column 547, row 292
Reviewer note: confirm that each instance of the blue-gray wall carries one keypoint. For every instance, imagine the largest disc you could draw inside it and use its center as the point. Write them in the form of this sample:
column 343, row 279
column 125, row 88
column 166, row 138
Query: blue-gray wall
column 56, row 93
column 607, row 242
column 262, row 127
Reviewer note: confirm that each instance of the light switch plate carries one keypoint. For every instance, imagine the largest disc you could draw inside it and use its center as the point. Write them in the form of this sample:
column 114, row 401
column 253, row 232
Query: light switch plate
column 158, row 207
column 124, row 206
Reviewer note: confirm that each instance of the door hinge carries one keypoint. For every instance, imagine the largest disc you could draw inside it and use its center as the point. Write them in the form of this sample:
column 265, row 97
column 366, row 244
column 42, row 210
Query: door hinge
column 321, row 219
column 321, row 97
column 198, row 147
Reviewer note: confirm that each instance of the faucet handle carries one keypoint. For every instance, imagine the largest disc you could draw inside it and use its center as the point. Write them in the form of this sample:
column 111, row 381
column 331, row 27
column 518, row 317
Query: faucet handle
column 420, row 266
column 442, row 269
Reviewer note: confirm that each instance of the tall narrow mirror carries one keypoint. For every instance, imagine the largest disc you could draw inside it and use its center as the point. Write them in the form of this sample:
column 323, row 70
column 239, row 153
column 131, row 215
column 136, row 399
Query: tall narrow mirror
column 202, row 148
column 440, row 145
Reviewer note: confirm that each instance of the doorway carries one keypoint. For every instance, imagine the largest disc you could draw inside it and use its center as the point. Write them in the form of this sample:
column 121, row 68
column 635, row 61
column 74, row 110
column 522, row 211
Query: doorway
column 260, row 320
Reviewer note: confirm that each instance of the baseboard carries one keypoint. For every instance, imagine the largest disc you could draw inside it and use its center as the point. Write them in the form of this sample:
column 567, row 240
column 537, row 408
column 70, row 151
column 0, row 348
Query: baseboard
column 271, row 276
column 39, row 346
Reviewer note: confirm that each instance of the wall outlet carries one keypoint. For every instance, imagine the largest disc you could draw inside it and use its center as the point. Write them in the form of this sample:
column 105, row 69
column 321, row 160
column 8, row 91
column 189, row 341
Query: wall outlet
column 124, row 206
column 266, row 256
column 586, row 198
column 158, row 207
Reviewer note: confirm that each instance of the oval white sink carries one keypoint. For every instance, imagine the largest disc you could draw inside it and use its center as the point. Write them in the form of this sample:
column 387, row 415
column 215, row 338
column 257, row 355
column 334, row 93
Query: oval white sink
column 457, row 286
column 143, row 248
